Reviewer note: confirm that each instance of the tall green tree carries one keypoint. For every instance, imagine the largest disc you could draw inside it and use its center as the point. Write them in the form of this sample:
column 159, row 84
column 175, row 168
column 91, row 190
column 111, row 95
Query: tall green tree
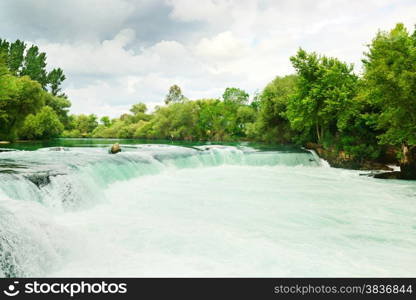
column 390, row 76
column 105, row 121
column 23, row 86
column 138, row 108
column 60, row 105
column 34, row 66
column 272, row 124
column 235, row 95
column 4, row 48
column 55, row 79
column 325, row 87
column 16, row 56
column 19, row 97
column 175, row 95
column 86, row 124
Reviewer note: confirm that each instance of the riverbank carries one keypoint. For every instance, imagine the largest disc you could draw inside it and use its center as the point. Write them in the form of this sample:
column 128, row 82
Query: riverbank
column 339, row 159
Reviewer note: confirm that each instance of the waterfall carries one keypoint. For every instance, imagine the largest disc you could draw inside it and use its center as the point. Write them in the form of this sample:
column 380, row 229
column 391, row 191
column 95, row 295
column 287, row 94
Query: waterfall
column 35, row 185
column 75, row 176
column 162, row 210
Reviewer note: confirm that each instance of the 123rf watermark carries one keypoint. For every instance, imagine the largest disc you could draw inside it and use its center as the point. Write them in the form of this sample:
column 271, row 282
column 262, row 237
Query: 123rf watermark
column 364, row 289
column 73, row 288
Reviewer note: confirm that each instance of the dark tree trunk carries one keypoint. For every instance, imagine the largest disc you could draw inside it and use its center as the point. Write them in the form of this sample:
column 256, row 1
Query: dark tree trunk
column 408, row 162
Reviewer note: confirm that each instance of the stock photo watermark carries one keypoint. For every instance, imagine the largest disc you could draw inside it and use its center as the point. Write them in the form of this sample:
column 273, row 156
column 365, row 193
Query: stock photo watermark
column 71, row 289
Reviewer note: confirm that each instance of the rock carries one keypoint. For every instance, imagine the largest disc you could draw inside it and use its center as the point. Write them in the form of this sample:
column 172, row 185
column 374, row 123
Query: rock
column 58, row 149
column 389, row 175
column 340, row 159
column 40, row 179
column 115, row 148
column 373, row 165
column 408, row 162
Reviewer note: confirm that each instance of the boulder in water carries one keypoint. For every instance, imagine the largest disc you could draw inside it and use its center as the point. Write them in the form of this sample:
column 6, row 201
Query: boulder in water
column 40, row 179
column 389, row 175
column 58, row 149
column 115, row 148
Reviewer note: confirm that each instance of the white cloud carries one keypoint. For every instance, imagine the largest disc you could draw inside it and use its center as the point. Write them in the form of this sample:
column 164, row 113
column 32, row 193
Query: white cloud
column 206, row 10
column 224, row 46
column 244, row 43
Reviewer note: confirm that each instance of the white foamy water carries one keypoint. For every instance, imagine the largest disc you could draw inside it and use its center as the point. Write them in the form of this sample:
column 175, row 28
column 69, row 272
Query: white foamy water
column 216, row 211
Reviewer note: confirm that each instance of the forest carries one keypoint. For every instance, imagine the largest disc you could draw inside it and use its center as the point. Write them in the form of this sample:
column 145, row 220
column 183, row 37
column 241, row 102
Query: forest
column 359, row 117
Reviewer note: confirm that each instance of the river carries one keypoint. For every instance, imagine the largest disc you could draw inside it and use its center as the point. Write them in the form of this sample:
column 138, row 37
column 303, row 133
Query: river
column 162, row 209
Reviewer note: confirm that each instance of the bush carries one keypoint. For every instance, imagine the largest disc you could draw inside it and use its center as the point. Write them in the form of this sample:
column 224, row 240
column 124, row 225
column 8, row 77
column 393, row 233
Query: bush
column 44, row 125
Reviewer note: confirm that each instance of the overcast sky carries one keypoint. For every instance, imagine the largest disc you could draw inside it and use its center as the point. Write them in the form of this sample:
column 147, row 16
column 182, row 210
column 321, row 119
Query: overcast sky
column 119, row 52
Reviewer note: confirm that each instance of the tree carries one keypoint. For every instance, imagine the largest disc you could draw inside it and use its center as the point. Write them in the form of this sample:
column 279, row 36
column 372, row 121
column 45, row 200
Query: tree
column 138, row 108
column 16, row 56
column 105, row 121
column 44, row 125
column 34, row 66
column 272, row 124
column 4, row 48
column 210, row 124
column 357, row 134
column 31, row 63
column 19, row 97
column 235, row 95
column 60, row 105
column 86, row 124
column 390, row 77
column 23, row 83
column 3, row 67
column 55, row 79
column 174, row 95
column 324, row 88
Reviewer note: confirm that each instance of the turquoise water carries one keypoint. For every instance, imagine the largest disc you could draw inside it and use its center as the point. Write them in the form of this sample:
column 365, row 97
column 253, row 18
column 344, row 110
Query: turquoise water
column 197, row 210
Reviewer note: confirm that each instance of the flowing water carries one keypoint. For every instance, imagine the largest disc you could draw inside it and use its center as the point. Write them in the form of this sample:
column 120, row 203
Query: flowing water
column 198, row 210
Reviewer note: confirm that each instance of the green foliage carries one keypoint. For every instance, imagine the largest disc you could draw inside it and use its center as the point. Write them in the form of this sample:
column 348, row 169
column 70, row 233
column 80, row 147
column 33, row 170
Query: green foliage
column 31, row 62
column 55, row 79
column 19, row 97
column 324, row 89
column 60, row 105
column 272, row 124
column 212, row 121
column 34, row 66
column 235, row 95
column 174, row 95
column 105, row 121
column 176, row 121
column 390, row 77
column 44, row 125
column 138, row 108
column 16, row 56
column 84, row 124
column 204, row 119
column 23, row 96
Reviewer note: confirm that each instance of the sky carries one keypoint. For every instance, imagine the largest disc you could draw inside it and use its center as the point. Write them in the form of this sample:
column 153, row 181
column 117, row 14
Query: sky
column 119, row 52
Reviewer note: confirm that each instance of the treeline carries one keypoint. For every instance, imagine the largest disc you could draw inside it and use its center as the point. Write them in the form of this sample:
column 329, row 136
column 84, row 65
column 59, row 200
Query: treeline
column 223, row 119
column 32, row 105
column 359, row 116
column 325, row 102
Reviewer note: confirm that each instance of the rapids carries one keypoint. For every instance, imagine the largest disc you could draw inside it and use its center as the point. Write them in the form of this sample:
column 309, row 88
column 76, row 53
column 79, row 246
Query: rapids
column 207, row 210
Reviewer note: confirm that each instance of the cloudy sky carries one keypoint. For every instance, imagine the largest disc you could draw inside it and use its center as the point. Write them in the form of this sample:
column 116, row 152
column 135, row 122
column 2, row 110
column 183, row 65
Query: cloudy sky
column 119, row 52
